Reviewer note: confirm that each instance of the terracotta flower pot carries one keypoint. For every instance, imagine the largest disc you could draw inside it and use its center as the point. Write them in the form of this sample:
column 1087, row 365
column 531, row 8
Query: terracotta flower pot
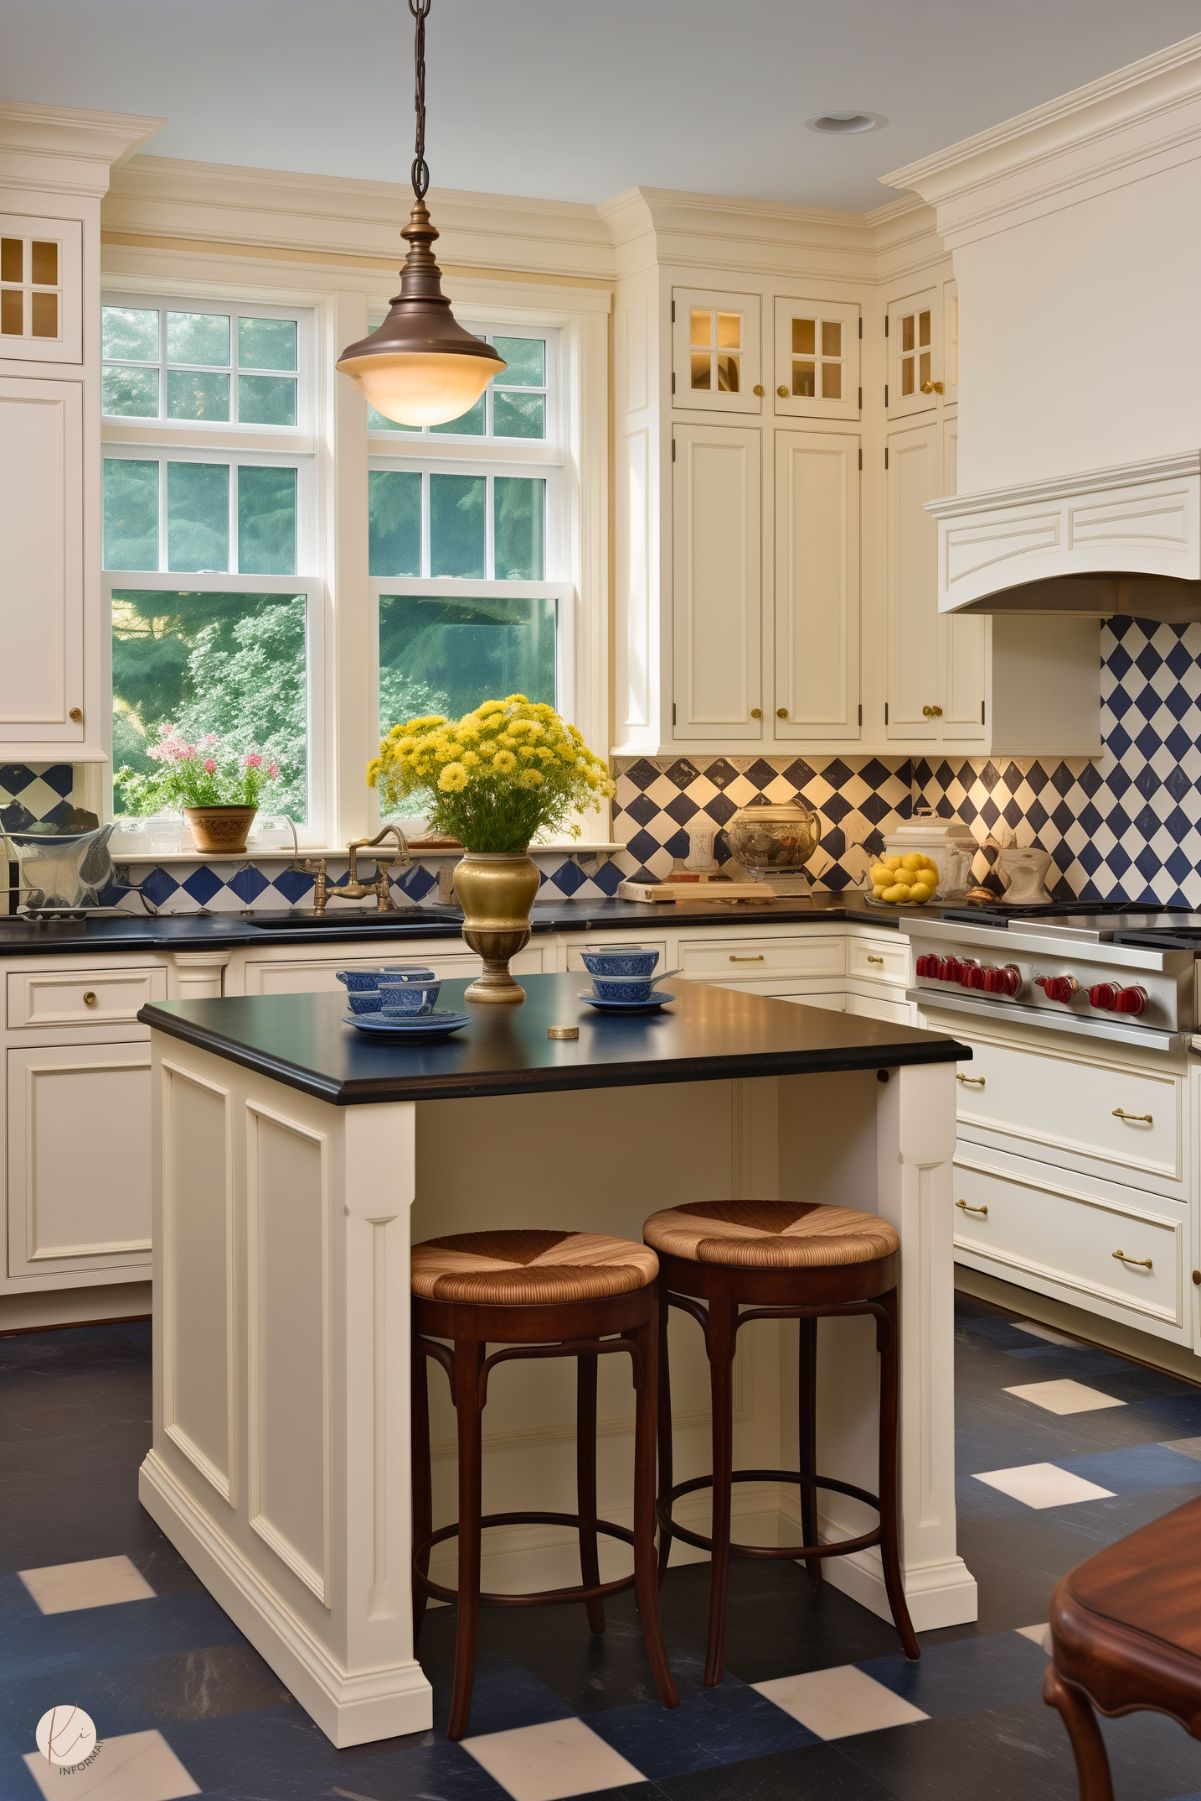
column 496, row 890
column 220, row 830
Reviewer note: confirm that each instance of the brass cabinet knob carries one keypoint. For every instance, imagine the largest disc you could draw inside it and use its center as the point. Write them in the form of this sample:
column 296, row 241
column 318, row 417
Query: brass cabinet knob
column 76, row 715
column 782, row 391
column 756, row 712
column 931, row 712
column 781, row 712
column 966, row 1207
column 932, row 387
column 89, row 999
column 758, row 389
column 1133, row 1262
column 877, row 960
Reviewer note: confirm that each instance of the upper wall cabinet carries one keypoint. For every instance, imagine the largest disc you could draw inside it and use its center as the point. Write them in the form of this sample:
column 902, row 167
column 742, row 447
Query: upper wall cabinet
column 716, row 353
column 816, row 365
column 923, row 350
column 717, row 568
column 40, row 289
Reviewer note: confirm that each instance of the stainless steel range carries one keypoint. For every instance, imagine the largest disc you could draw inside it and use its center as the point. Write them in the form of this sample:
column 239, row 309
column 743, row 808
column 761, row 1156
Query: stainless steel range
column 1118, row 973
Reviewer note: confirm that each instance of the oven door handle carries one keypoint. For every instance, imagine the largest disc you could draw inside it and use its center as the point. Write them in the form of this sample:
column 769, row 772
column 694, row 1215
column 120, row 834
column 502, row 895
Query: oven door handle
column 1153, row 1038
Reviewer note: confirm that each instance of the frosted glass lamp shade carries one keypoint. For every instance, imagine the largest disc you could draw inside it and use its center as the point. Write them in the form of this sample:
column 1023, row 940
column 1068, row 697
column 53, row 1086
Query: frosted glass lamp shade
column 421, row 367
column 421, row 387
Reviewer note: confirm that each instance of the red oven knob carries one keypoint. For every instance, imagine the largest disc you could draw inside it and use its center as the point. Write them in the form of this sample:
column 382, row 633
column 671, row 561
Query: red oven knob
column 971, row 975
column 1103, row 995
column 1130, row 1000
column 949, row 969
column 1059, row 988
column 928, row 965
column 1007, row 981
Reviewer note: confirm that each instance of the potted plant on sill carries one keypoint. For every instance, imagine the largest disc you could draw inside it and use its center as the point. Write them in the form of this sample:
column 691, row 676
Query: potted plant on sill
column 493, row 780
column 217, row 786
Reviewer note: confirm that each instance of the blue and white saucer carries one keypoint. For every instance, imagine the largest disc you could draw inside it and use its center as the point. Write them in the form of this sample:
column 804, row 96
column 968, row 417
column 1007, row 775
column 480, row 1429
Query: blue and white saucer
column 394, row 1025
column 659, row 999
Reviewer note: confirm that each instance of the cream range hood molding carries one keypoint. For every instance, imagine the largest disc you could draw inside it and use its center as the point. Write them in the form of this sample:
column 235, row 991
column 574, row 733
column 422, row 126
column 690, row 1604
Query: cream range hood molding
column 1119, row 540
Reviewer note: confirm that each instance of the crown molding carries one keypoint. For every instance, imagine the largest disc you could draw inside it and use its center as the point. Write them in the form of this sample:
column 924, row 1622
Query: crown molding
column 59, row 149
column 328, row 215
column 1122, row 128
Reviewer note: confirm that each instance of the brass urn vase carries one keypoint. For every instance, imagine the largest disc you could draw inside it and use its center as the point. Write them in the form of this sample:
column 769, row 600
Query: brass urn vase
column 496, row 890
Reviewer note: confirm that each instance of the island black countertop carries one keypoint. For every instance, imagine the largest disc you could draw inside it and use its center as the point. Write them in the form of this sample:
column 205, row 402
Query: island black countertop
column 707, row 1032
column 199, row 931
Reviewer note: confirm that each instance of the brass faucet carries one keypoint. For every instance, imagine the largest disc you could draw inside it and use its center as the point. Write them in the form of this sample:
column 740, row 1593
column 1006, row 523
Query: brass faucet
column 352, row 888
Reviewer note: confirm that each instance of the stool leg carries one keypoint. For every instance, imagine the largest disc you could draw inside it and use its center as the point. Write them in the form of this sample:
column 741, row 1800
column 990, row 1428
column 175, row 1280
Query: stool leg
column 469, row 1357
column 807, row 1386
column 665, row 1447
column 1088, row 1747
column 719, row 1340
column 646, row 1581
column 422, row 1502
column 585, row 1468
column 890, row 1554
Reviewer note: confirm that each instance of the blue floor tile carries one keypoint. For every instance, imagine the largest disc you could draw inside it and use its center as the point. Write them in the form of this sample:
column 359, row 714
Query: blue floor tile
column 966, row 1676
column 1138, row 1468
column 710, row 1727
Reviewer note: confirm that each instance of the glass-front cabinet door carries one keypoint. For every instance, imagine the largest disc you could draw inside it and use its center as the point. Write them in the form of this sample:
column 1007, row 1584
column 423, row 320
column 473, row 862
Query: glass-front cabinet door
column 916, row 377
column 816, row 368
column 40, row 319
column 715, row 351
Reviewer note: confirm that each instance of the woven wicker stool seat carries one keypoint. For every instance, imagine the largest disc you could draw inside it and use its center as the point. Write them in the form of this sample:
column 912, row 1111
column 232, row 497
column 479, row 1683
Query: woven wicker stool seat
column 483, row 1299
column 726, row 1263
column 770, row 1234
column 529, row 1269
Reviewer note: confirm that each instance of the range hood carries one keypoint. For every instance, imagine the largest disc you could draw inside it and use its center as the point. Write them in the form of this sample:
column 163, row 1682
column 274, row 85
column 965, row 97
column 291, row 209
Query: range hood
column 1117, row 540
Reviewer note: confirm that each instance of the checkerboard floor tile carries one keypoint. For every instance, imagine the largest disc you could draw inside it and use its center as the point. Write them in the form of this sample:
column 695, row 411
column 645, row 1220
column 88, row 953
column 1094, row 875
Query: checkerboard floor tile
column 1064, row 1396
column 1035, row 1329
column 818, row 1704
column 97, row 1582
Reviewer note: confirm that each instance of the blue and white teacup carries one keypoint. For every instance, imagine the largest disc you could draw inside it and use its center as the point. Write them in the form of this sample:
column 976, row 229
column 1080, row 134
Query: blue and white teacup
column 356, row 980
column 403, row 994
column 619, row 960
column 364, row 1000
column 634, row 989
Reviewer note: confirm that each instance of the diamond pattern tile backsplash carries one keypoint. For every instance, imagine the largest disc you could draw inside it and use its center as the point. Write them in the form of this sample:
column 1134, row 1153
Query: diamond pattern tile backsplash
column 1125, row 827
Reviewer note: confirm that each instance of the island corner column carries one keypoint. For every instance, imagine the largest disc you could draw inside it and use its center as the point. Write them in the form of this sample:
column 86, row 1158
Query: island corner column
column 279, row 1467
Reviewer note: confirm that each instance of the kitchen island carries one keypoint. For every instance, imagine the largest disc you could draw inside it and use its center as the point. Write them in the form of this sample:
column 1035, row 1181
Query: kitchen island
column 295, row 1163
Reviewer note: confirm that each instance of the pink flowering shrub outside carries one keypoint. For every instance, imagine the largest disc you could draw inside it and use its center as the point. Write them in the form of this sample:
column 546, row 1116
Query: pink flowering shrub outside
column 211, row 773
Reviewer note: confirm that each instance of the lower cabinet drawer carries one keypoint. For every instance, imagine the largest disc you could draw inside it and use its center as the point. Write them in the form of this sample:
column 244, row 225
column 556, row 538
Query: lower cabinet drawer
column 879, row 1006
column 303, row 977
column 1037, row 1227
column 880, row 959
column 734, row 958
column 87, row 997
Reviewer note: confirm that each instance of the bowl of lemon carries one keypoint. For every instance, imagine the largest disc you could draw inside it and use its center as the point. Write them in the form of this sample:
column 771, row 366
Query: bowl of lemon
column 908, row 881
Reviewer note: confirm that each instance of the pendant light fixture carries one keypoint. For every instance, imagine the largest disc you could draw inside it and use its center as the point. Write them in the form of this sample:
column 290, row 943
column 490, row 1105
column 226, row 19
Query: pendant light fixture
column 420, row 367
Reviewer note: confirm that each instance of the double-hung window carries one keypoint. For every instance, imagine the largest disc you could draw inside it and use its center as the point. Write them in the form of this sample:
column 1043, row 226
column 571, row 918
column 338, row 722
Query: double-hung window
column 210, row 538
column 468, row 544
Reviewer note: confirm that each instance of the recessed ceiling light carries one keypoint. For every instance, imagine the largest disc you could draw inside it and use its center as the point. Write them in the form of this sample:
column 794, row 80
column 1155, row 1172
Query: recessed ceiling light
column 844, row 124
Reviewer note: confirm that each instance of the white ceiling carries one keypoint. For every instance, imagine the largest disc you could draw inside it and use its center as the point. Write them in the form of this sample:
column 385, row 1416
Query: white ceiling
column 576, row 99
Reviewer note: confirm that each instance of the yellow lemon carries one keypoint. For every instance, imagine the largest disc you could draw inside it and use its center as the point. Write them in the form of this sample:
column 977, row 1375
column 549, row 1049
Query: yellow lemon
column 896, row 894
column 911, row 860
column 878, row 890
column 881, row 875
column 920, row 892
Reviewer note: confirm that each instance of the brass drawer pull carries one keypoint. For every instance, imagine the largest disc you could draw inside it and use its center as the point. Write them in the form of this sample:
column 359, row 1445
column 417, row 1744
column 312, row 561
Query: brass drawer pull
column 876, row 960
column 970, row 1081
column 1142, row 1119
column 966, row 1207
column 756, row 957
column 89, row 999
column 1132, row 1262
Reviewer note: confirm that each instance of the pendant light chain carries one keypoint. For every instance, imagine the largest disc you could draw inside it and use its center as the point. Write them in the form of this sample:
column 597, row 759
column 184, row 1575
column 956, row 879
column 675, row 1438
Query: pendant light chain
column 421, row 171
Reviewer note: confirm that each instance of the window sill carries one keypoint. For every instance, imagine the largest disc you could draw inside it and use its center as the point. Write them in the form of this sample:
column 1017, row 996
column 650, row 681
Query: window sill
column 284, row 853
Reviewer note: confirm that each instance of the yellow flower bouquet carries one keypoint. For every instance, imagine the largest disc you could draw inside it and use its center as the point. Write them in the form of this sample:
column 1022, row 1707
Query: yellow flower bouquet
column 495, row 778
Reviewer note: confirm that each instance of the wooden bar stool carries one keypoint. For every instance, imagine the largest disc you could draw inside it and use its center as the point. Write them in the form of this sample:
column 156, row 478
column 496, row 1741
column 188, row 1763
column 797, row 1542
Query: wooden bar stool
column 538, row 1294
column 1126, row 1635
column 778, row 1260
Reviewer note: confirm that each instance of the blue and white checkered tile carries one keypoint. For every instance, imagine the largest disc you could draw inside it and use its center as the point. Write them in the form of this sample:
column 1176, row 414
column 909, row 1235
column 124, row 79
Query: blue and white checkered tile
column 657, row 802
column 1129, row 826
column 34, row 796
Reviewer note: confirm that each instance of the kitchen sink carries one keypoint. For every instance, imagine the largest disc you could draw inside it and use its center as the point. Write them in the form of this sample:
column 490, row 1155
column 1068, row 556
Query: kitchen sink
column 405, row 919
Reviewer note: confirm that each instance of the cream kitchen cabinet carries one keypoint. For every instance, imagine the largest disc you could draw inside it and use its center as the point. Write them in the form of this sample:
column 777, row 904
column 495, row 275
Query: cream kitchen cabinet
column 815, row 371
column 296, row 973
column 41, row 289
column 922, row 330
column 716, row 357
column 765, row 644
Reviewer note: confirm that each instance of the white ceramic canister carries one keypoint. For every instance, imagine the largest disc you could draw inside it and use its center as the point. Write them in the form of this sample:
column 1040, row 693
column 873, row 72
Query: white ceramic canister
column 948, row 843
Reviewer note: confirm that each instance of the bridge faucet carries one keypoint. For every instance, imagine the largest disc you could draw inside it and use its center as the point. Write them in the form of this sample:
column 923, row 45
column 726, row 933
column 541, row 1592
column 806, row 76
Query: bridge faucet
column 352, row 888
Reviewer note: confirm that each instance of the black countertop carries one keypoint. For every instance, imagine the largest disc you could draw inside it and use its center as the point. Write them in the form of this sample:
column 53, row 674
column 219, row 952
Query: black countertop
column 215, row 931
column 706, row 1032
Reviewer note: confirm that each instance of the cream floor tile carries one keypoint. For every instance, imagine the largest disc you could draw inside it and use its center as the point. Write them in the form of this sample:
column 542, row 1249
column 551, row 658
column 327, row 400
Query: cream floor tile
column 1043, row 1485
column 97, row 1582
column 140, row 1766
column 1065, row 1396
column 1038, row 1635
column 1036, row 1329
column 547, row 1762
column 1188, row 1447
column 840, row 1702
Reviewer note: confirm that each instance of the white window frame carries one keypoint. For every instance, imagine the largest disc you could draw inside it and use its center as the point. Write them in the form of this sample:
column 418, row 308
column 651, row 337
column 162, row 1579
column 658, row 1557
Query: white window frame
column 162, row 441
column 343, row 642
